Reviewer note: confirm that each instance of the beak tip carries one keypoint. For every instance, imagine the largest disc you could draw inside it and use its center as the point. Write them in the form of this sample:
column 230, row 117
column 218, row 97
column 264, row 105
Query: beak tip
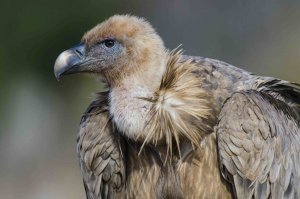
column 57, row 74
column 57, row 78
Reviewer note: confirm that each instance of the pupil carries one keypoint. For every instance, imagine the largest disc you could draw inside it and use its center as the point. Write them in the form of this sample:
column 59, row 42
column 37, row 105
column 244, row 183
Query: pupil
column 109, row 43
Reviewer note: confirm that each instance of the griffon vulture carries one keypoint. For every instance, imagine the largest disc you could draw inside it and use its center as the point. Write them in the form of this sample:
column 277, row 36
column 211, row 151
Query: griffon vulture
column 177, row 126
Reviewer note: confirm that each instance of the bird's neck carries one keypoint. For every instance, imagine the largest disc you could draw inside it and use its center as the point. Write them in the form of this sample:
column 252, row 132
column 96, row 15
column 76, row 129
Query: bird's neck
column 129, row 112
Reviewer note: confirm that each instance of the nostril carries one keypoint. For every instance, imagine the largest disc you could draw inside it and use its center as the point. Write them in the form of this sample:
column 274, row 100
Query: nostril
column 79, row 52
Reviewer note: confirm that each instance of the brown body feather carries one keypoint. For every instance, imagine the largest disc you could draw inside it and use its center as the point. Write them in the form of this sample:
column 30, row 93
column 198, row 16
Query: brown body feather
column 147, row 175
column 191, row 169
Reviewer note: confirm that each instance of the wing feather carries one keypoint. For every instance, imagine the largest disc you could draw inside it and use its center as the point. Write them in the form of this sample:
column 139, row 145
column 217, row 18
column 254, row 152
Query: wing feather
column 100, row 152
column 258, row 139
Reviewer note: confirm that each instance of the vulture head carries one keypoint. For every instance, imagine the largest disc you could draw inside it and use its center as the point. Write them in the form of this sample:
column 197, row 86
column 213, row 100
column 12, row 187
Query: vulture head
column 117, row 48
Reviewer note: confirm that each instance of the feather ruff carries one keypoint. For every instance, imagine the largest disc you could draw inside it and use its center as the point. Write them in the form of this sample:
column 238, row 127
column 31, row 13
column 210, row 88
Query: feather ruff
column 179, row 107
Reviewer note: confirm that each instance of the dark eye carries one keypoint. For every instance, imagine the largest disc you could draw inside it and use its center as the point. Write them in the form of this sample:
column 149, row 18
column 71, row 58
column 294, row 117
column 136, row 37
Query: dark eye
column 109, row 43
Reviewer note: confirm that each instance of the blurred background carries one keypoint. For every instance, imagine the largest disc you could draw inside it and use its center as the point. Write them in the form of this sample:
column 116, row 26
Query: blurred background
column 39, row 116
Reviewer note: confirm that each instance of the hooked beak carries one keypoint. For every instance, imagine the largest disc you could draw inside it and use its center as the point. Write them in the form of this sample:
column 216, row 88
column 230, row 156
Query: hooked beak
column 70, row 61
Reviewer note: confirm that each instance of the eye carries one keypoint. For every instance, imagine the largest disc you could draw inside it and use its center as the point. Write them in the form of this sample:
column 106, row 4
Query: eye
column 109, row 43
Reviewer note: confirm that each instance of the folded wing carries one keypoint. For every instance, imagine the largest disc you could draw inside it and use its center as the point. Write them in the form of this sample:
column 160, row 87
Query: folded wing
column 259, row 145
column 100, row 152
